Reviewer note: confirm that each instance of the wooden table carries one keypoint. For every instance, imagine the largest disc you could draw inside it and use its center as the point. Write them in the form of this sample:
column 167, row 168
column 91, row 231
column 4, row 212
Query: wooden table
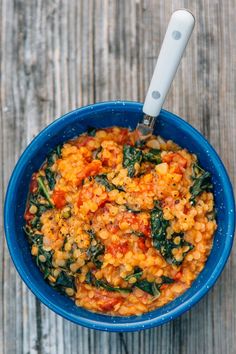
column 57, row 55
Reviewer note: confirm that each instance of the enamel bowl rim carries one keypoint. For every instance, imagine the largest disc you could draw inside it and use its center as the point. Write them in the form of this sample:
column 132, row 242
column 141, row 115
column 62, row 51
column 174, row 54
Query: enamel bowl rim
column 152, row 322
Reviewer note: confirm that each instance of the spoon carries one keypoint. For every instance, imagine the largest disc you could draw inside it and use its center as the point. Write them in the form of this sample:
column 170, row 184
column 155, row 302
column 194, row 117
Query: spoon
column 176, row 39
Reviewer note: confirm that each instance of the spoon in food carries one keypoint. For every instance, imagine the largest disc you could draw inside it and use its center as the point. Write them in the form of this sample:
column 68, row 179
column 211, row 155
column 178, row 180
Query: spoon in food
column 176, row 38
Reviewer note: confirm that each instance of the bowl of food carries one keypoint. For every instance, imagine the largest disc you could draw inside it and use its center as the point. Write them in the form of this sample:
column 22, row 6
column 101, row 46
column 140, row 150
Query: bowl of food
column 114, row 233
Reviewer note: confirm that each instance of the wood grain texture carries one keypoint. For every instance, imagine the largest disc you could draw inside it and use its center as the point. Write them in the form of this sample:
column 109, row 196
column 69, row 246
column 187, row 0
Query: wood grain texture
column 57, row 55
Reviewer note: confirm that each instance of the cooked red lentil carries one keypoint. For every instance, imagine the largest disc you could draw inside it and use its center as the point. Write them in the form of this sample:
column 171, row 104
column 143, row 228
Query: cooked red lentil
column 121, row 227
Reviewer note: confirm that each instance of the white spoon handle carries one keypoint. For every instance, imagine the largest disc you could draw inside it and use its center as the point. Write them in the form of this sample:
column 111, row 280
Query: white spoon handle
column 176, row 38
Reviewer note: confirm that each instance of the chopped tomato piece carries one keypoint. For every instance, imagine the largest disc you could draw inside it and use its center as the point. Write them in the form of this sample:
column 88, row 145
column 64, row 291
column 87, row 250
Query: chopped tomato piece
column 123, row 247
column 90, row 170
column 176, row 160
column 109, row 130
column 164, row 286
column 28, row 216
column 178, row 276
column 176, row 168
column 169, row 202
column 114, row 248
column 103, row 201
column 134, row 219
column 182, row 161
column 107, row 301
column 135, row 136
column 87, row 193
column 113, row 228
column 109, row 157
column 167, row 158
column 186, row 209
column 145, row 229
column 59, row 199
column 141, row 244
column 79, row 201
column 109, row 304
column 84, row 141
column 122, row 137
column 33, row 184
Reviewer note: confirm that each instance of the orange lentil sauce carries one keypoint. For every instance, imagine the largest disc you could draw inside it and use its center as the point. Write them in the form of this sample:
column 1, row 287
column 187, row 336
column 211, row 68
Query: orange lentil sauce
column 120, row 226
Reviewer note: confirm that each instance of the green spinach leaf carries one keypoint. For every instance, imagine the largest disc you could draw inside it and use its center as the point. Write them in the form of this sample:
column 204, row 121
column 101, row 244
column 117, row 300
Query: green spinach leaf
column 95, row 249
column 96, row 153
column 105, row 285
column 41, row 207
column 65, row 280
column 91, row 279
column 138, row 272
column 211, row 215
column 34, row 238
column 140, row 143
column 43, row 258
column 158, row 226
column 43, row 190
column 153, row 156
column 131, row 156
column 138, row 233
column 28, row 231
column 201, row 183
column 45, row 265
column 167, row 280
column 167, row 247
column 161, row 243
column 54, row 155
column 102, row 179
column 91, row 131
column 151, row 288
column 36, row 223
column 50, row 176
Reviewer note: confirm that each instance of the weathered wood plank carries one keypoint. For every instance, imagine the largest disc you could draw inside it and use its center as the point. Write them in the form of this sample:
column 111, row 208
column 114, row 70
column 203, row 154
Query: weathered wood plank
column 57, row 55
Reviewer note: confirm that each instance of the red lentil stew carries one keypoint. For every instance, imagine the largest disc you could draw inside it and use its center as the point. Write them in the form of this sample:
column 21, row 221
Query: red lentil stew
column 120, row 226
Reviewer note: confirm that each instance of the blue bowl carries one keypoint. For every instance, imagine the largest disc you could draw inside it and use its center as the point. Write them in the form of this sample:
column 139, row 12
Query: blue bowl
column 101, row 115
